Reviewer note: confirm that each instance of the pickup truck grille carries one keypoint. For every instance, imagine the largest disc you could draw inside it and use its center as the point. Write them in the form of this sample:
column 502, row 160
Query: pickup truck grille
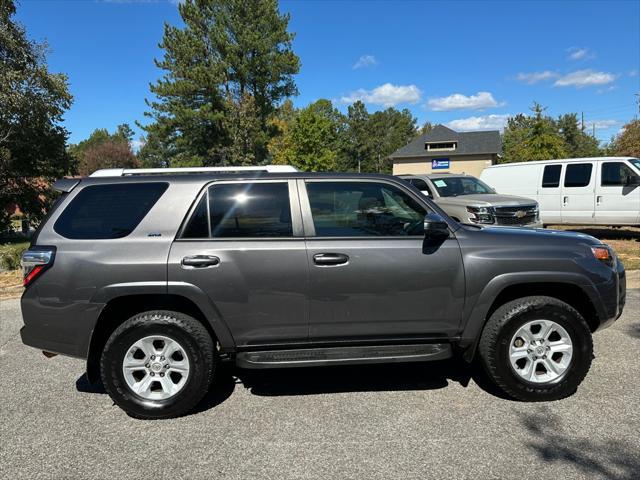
column 520, row 215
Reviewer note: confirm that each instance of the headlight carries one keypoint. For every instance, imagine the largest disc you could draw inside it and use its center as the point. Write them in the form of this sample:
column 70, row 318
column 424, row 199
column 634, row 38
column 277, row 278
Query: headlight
column 483, row 215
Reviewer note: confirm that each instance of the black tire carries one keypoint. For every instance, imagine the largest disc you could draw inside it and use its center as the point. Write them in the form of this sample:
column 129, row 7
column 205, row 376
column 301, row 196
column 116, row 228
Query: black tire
column 189, row 333
column 502, row 326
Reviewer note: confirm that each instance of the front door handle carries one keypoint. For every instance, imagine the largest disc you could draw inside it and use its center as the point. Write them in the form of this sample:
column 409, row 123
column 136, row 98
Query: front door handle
column 565, row 200
column 598, row 199
column 327, row 259
column 200, row 261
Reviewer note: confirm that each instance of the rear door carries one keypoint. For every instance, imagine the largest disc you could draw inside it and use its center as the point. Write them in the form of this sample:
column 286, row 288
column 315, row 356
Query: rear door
column 371, row 276
column 550, row 194
column 616, row 203
column 243, row 247
column 578, row 193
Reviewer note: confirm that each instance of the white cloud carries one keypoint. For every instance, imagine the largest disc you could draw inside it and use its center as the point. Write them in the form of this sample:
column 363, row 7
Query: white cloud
column 484, row 122
column 387, row 95
column 535, row 77
column 585, row 78
column 457, row 101
column 633, row 73
column 602, row 124
column 365, row 61
column 579, row 53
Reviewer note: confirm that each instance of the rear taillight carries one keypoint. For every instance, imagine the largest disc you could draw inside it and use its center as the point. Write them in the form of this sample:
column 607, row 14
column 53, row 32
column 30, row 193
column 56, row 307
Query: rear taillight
column 34, row 261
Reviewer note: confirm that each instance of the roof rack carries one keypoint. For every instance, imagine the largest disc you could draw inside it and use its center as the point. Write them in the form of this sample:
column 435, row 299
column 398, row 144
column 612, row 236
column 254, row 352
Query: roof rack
column 123, row 172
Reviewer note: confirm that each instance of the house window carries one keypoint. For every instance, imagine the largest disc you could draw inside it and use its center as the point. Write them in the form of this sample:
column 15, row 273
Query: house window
column 439, row 146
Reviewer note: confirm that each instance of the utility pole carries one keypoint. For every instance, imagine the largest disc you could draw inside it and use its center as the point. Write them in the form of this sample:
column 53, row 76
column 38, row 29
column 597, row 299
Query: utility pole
column 594, row 130
column 582, row 123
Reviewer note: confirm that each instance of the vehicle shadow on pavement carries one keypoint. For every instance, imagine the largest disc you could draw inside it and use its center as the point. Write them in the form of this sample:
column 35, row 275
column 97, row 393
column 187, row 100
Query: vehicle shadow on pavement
column 364, row 378
column 610, row 459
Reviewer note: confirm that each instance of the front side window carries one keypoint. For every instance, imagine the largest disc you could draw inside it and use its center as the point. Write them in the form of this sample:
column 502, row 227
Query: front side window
column 111, row 211
column 551, row 176
column 455, row 186
column 242, row 210
column 578, row 175
column 615, row 174
column 363, row 209
column 421, row 185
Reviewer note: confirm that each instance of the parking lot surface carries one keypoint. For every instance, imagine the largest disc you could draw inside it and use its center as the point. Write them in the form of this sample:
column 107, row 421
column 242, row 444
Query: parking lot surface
column 431, row 420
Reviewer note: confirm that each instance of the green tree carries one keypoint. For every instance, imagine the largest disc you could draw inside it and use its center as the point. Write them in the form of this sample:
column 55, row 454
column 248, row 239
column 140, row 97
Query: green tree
column 226, row 49
column 389, row 130
column 577, row 143
column 32, row 139
column 310, row 141
column 358, row 145
column 627, row 142
column 532, row 137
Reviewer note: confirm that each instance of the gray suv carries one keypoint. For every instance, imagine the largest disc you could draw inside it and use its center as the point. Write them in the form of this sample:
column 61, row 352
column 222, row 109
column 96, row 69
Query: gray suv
column 469, row 200
column 155, row 277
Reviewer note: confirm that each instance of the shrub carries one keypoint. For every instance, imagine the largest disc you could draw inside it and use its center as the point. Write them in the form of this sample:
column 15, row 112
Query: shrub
column 10, row 255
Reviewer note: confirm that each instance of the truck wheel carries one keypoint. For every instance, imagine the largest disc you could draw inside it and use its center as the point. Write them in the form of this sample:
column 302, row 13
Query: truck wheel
column 158, row 364
column 536, row 348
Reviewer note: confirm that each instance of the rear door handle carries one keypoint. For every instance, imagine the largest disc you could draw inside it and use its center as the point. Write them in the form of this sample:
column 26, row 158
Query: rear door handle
column 327, row 259
column 200, row 261
column 598, row 199
column 565, row 200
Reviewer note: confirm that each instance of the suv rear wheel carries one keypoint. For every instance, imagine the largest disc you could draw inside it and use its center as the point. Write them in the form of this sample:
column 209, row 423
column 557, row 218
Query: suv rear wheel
column 536, row 348
column 158, row 364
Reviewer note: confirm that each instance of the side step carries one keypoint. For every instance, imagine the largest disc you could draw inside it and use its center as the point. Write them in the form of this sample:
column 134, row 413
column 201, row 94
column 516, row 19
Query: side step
column 343, row 355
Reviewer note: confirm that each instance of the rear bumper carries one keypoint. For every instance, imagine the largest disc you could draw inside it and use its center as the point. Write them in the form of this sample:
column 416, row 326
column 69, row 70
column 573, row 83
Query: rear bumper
column 58, row 326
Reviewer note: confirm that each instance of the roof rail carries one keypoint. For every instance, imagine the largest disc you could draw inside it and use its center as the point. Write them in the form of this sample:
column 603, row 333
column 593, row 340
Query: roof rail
column 123, row 172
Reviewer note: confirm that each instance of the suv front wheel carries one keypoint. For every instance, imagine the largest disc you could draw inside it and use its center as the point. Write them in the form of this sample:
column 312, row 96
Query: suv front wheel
column 158, row 364
column 536, row 348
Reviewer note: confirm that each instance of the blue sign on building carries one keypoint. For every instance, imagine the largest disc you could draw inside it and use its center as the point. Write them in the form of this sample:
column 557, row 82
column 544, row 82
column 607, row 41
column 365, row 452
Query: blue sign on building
column 440, row 164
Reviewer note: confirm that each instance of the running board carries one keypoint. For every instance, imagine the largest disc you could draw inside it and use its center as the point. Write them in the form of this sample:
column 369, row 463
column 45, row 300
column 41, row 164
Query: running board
column 310, row 357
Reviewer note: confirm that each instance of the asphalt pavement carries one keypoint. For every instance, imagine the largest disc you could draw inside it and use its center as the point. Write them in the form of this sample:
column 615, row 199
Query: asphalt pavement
column 414, row 421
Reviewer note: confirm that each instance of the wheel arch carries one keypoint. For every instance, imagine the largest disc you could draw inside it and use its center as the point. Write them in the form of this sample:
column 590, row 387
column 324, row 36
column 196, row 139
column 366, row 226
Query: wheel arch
column 118, row 309
column 572, row 289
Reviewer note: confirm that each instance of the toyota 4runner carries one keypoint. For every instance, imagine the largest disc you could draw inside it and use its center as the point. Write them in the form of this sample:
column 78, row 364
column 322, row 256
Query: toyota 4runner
column 156, row 276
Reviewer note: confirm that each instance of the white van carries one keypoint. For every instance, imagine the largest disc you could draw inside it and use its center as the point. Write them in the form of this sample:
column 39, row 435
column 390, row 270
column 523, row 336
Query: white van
column 578, row 191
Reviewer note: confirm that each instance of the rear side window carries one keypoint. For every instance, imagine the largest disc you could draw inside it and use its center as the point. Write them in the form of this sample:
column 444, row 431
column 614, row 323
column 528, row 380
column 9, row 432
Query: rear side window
column 108, row 211
column 615, row 174
column 578, row 175
column 551, row 176
column 246, row 210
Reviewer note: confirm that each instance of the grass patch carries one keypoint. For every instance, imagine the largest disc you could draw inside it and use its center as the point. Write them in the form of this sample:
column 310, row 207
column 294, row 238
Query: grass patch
column 10, row 254
column 625, row 241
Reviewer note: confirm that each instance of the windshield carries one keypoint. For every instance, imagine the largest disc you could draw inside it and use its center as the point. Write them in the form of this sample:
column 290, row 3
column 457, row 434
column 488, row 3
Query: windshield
column 635, row 162
column 455, row 186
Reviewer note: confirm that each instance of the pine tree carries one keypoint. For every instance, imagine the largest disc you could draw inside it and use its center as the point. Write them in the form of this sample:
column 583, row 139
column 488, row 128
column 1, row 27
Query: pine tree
column 227, row 52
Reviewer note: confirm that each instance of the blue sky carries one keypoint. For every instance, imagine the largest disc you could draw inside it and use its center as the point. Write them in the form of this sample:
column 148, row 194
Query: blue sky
column 465, row 64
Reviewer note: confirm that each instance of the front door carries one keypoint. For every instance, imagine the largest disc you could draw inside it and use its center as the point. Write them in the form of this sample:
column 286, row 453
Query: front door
column 616, row 202
column 243, row 247
column 578, row 193
column 371, row 276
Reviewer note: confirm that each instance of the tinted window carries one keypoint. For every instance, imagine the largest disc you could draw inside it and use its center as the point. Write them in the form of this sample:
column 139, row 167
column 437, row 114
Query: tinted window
column 245, row 210
column 420, row 185
column 551, row 176
column 108, row 211
column 615, row 174
column 578, row 175
column 363, row 209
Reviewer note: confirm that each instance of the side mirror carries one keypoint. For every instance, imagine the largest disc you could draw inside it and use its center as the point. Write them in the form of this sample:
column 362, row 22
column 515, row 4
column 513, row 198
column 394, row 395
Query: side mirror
column 435, row 227
column 632, row 181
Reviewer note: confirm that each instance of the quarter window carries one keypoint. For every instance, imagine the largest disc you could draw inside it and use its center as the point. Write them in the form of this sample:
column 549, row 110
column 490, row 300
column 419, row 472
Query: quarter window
column 243, row 210
column 615, row 174
column 578, row 175
column 363, row 209
column 551, row 176
column 108, row 211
